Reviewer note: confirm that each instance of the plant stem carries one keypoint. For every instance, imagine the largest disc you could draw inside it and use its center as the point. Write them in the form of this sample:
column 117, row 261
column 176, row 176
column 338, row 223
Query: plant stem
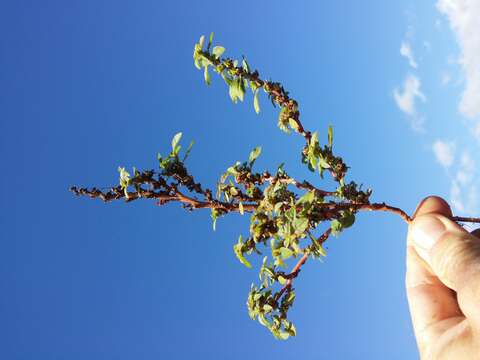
column 164, row 197
column 296, row 269
column 465, row 219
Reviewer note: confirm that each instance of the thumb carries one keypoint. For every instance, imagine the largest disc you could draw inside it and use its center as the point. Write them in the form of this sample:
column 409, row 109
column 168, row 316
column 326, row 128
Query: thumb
column 453, row 255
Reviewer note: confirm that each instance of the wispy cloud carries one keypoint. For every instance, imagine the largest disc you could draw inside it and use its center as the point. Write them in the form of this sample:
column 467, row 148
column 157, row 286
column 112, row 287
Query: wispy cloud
column 407, row 52
column 463, row 190
column 464, row 19
column 446, row 78
column 476, row 131
column 444, row 152
column 406, row 100
column 461, row 171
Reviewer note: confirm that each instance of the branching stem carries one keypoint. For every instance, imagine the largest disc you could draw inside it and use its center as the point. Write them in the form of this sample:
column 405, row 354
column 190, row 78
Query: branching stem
column 286, row 216
column 175, row 195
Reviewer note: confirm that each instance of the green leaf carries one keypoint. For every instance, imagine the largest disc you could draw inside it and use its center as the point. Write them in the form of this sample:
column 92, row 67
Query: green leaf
column 313, row 161
column 256, row 104
column 267, row 308
column 283, row 121
column 290, row 328
column 135, row 172
column 214, row 216
column 218, row 51
column 176, row 140
column 300, row 225
column 187, row 153
column 231, row 170
column 279, row 262
column 227, row 79
column 320, row 249
column 201, row 41
column 277, row 208
column 233, row 191
column 254, row 155
column 323, row 164
column 308, row 198
column 236, row 90
column 285, row 253
column 237, row 248
column 317, row 248
column 293, row 124
column 197, row 62
column 240, row 207
column 330, row 136
column 206, row 75
column 210, row 41
column 263, row 321
column 124, row 180
column 281, row 280
column 282, row 335
column 290, row 297
column 314, row 140
column 124, row 177
column 348, row 219
column 336, row 227
column 245, row 65
column 312, row 150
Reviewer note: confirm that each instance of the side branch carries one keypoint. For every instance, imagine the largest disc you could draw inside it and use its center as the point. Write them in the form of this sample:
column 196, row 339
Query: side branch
column 274, row 89
column 162, row 198
column 297, row 268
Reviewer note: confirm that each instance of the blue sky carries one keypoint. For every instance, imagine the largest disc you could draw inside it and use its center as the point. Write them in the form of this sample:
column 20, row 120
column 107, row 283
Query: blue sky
column 87, row 86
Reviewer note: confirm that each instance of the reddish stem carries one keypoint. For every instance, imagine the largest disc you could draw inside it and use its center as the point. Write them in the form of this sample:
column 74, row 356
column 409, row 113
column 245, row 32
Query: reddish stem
column 296, row 269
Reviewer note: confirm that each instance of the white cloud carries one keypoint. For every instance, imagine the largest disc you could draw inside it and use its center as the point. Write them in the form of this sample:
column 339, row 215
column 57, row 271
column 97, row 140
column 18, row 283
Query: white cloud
column 476, row 131
column 406, row 51
column 406, row 100
column 464, row 18
column 467, row 169
column 444, row 152
column 464, row 199
column 456, row 197
column 461, row 172
column 463, row 190
column 446, row 78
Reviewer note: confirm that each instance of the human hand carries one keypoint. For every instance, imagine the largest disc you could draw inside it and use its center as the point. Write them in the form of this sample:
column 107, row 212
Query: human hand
column 443, row 284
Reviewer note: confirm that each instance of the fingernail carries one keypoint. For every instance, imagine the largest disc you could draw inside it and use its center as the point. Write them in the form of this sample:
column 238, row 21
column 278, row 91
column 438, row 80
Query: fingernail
column 426, row 230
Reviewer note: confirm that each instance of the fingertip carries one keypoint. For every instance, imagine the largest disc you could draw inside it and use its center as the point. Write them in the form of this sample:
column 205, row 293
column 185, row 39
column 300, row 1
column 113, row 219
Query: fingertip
column 433, row 204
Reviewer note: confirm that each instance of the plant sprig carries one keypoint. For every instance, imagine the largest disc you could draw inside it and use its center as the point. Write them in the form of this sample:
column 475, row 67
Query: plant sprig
column 290, row 220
